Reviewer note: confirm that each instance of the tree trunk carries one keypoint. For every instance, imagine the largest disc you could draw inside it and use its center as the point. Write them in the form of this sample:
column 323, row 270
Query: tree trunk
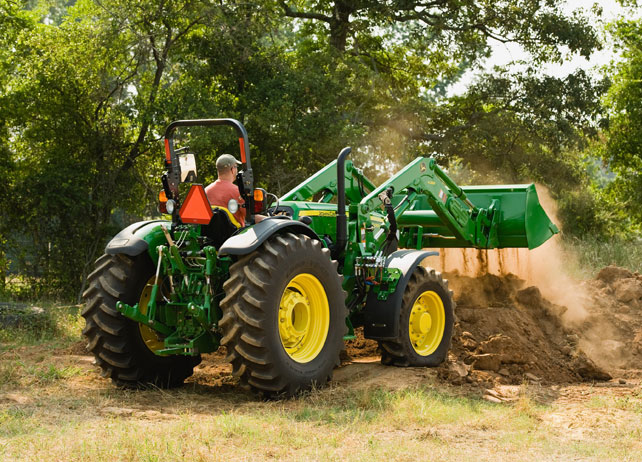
column 340, row 24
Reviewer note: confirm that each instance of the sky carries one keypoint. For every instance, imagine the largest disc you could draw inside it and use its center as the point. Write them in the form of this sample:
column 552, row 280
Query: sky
column 503, row 54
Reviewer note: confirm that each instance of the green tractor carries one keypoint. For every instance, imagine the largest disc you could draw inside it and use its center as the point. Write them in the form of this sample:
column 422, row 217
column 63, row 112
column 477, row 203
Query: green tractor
column 282, row 295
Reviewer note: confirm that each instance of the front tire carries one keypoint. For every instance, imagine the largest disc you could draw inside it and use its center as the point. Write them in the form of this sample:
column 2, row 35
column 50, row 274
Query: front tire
column 426, row 322
column 284, row 316
column 122, row 347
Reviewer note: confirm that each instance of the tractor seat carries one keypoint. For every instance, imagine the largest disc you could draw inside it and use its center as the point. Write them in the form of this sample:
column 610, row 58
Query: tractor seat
column 221, row 227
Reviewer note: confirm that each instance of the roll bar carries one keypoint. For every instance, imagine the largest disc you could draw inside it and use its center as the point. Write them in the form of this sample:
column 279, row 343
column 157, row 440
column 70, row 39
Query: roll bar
column 171, row 160
column 174, row 169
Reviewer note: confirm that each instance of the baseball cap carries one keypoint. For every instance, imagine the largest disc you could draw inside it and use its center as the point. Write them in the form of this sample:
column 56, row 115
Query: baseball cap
column 226, row 161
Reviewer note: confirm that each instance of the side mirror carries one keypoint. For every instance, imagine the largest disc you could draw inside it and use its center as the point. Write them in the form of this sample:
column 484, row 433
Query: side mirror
column 188, row 168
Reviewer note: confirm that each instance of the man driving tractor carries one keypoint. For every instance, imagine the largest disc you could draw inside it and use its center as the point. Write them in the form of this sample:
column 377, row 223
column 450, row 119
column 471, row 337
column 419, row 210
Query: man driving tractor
column 223, row 189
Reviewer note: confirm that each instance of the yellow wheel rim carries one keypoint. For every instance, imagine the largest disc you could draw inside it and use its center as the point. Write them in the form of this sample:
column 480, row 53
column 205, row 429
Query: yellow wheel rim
column 149, row 335
column 427, row 322
column 304, row 318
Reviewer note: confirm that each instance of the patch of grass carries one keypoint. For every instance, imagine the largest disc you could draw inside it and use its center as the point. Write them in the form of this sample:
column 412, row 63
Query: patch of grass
column 234, row 425
column 632, row 403
column 10, row 372
column 57, row 326
column 340, row 408
column 19, row 373
column 597, row 402
column 16, row 421
column 51, row 373
column 594, row 254
column 328, row 425
column 417, row 408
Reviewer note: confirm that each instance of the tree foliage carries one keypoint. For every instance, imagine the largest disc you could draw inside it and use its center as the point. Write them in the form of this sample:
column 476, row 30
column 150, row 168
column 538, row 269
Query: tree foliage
column 87, row 90
column 623, row 151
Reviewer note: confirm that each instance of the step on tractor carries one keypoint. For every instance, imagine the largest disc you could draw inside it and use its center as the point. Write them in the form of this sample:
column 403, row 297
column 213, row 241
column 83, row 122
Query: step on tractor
column 284, row 293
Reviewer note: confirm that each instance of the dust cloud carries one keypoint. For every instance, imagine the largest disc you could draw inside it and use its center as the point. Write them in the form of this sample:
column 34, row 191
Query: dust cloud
column 543, row 267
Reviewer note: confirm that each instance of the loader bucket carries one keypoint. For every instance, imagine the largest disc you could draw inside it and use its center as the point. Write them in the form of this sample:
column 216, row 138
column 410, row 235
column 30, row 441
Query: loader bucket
column 521, row 222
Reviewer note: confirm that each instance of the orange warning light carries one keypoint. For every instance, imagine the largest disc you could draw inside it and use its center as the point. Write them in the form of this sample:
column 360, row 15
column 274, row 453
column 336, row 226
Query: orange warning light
column 196, row 208
column 162, row 201
column 258, row 195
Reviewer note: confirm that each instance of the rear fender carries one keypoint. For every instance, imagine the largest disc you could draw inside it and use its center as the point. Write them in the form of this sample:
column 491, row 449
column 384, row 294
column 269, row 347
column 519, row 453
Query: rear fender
column 381, row 317
column 138, row 238
column 249, row 239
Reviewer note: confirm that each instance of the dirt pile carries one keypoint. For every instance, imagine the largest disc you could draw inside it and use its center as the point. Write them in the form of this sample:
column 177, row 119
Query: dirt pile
column 360, row 347
column 507, row 332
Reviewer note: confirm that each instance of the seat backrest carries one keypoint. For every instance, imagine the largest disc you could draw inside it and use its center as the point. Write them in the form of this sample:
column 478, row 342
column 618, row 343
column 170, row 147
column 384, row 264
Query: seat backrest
column 221, row 226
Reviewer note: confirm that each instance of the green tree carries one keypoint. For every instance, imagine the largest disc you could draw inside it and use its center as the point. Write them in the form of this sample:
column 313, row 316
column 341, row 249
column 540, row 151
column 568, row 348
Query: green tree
column 401, row 56
column 13, row 21
column 623, row 152
column 83, row 106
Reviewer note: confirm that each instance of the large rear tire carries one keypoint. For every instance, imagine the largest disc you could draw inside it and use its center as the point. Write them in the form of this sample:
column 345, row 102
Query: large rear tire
column 284, row 316
column 425, row 322
column 123, row 348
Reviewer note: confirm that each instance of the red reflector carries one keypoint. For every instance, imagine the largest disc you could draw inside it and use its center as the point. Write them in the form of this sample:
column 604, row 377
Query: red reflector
column 168, row 156
column 196, row 208
column 242, row 143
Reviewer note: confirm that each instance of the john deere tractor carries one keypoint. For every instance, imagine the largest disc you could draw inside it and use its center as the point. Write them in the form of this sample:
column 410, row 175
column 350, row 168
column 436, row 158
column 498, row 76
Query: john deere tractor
column 282, row 295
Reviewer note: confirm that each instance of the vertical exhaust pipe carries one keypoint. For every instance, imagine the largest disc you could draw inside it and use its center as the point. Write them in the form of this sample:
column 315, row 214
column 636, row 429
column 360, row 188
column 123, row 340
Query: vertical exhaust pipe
column 342, row 220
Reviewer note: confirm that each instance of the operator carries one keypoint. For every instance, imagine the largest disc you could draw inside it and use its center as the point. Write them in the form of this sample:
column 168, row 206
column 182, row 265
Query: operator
column 223, row 189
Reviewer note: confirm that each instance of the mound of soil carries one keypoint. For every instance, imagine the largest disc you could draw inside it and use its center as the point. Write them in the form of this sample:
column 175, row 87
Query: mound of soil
column 506, row 332
column 360, row 347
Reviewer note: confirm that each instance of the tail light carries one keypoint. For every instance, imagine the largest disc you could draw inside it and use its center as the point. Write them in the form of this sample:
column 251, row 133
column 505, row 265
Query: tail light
column 260, row 200
column 162, row 201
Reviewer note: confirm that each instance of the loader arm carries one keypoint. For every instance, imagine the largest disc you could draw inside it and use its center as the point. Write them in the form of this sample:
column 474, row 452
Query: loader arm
column 466, row 222
column 324, row 182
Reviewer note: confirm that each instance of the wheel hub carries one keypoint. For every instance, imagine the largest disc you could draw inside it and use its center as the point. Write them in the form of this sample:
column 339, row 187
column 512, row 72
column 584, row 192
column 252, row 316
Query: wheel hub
column 422, row 323
column 149, row 335
column 303, row 318
column 294, row 318
column 427, row 322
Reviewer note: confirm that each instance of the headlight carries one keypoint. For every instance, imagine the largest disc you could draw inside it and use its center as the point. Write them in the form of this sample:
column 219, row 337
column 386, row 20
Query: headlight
column 232, row 206
column 170, row 205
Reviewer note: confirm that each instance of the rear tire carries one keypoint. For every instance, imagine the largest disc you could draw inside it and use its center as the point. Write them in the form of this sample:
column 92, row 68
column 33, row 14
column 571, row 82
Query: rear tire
column 284, row 316
column 426, row 322
column 115, row 340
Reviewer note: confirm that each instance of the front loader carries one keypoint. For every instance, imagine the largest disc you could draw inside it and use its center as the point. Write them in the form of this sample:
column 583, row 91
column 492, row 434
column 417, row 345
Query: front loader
column 282, row 295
